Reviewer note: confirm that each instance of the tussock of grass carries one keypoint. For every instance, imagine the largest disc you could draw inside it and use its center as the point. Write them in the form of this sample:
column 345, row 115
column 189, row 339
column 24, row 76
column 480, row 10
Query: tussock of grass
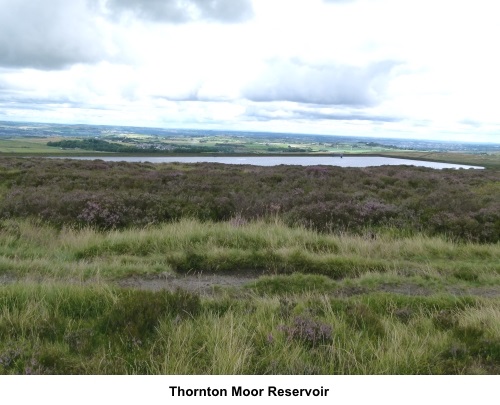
column 191, row 246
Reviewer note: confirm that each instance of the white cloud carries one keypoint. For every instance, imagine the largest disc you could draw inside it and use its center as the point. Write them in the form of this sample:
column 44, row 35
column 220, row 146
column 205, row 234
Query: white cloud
column 347, row 67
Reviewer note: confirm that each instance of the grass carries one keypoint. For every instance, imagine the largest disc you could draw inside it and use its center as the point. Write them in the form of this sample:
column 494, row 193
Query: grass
column 191, row 246
column 99, row 330
column 34, row 146
column 489, row 160
column 323, row 304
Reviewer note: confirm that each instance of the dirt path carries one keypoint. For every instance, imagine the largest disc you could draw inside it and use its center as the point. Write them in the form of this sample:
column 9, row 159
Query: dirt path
column 202, row 284
column 209, row 284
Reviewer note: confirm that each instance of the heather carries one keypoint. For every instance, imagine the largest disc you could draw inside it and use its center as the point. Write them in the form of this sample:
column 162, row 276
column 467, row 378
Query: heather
column 459, row 204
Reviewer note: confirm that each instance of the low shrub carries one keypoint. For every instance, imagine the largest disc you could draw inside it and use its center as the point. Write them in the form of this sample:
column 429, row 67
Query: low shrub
column 308, row 331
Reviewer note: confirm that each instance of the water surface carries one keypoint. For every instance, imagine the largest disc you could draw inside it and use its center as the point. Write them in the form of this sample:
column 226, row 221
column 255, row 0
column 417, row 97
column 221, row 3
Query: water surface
column 346, row 161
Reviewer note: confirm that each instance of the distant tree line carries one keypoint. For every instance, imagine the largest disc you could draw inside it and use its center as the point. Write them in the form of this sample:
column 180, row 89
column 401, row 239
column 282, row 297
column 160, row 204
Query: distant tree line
column 97, row 145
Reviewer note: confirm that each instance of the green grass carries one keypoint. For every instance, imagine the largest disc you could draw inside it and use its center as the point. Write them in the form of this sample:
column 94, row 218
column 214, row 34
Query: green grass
column 191, row 246
column 324, row 303
column 54, row 329
column 33, row 146
column 490, row 160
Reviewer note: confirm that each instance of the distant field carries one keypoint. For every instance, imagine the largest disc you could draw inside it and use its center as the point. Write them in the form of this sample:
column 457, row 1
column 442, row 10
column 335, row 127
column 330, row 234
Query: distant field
column 231, row 145
column 217, row 144
column 490, row 160
column 36, row 146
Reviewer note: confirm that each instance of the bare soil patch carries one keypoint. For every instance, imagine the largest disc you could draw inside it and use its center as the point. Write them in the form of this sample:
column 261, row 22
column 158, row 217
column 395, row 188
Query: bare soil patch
column 204, row 284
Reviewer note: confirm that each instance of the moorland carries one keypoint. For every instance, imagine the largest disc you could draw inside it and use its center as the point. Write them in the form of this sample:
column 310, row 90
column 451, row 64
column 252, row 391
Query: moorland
column 140, row 268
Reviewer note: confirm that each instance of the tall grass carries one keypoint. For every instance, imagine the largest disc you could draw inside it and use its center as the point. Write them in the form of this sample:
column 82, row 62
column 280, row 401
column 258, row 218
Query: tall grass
column 322, row 304
column 54, row 329
column 191, row 246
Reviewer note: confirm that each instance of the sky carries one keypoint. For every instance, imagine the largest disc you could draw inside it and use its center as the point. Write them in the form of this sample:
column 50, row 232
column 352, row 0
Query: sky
column 426, row 69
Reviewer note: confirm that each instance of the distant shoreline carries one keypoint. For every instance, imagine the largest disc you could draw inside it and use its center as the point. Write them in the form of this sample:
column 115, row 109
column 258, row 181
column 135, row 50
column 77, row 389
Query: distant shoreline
column 438, row 157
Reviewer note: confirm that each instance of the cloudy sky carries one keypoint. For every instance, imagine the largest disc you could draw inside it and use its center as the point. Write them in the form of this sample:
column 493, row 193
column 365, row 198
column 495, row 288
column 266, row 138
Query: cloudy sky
column 419, row 69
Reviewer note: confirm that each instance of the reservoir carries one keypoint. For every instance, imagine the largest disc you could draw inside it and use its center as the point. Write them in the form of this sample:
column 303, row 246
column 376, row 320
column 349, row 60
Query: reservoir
column 346, row 161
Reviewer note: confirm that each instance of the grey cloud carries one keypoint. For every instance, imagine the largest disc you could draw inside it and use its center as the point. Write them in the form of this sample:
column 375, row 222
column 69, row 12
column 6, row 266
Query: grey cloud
column 6, row 105
column 345, row 117
column 188, row 95
column 470, row 122
column 15, row 98
column 269, row 113
column 179, row 11
column 48, row 34
column 321, row 84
